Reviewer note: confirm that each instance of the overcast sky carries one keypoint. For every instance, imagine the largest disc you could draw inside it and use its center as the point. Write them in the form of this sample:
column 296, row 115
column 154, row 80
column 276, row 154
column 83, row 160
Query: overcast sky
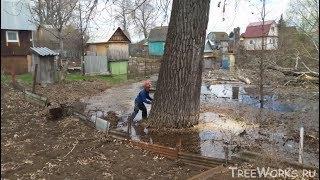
column 238, row 13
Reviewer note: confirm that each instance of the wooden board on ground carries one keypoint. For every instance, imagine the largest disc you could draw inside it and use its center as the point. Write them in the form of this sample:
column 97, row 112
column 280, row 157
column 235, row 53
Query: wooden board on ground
column 36, row 98
column 219, row 172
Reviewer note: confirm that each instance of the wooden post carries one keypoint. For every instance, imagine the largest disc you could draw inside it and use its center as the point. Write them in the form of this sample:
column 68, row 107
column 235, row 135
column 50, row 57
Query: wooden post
column 129, row 121
column 13, row 75
column 301, row 146
column 34, row 78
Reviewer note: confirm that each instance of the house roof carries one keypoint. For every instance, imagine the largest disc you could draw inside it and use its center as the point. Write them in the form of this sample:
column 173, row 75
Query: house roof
column 15, row 15
column 44, row 51
column 209, row 46
column 158, row 33
column 108, row 37
column 218, row 36
column 254, row 29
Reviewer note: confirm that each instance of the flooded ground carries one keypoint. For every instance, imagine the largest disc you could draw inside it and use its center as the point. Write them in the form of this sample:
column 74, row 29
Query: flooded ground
column 230, row 121
column 240, row 93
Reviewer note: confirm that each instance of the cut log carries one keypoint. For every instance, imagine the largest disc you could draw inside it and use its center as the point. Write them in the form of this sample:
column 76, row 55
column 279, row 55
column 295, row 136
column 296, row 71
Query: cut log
column 292, row 72
column 244, row 79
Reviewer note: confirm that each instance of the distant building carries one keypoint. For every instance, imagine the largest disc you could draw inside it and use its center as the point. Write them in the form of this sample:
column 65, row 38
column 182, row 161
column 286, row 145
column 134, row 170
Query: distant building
column 139, row 49
column 156, row 40
column 115, row 48
column 220, row 40
column 216, row 44
column 252, row 38
column 16, row 36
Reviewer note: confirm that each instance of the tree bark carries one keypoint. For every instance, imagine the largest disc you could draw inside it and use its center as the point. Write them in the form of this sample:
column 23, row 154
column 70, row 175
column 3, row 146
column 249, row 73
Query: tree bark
column 177, row 99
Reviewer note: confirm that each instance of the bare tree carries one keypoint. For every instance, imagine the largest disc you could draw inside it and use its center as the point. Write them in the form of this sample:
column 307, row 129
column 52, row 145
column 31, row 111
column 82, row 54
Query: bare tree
column 144, row 16
column 85, row 14
column 305, row 15
column 56, row 14
column 164, row 8
column 123, row 10
column 262, row 57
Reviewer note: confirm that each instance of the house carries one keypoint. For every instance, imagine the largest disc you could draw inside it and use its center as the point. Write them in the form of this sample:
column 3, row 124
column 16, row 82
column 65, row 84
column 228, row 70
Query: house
column 156, row 40
column 210, row 56
column 16, row 36
column 220, row 39
column 139, row 49
column 216, row 46
column 116, row 48
column 252, row 37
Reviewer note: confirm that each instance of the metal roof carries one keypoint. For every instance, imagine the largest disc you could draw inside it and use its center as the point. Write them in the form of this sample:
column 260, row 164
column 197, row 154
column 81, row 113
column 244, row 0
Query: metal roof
column 107, row 37
column 16, row 15
column 158, row 34
column 209, row 46
column 44, row 51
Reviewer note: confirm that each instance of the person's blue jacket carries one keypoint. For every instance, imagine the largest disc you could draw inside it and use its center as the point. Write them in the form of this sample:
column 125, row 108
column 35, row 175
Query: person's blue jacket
column 143, row 97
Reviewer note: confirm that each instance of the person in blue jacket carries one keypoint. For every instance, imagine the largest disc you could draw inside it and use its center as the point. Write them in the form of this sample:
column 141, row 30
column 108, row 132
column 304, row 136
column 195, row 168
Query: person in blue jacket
column 142, row 97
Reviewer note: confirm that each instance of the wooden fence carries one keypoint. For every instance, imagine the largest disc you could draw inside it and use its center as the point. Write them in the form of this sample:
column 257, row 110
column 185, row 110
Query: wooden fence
column 96, row 65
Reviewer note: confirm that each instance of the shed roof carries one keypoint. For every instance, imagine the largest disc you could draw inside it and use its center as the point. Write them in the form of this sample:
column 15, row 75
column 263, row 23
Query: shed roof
column 158, row 33
column 107, row 38
column 254, row 30
column 209, row 46
column 218, row 36
column 15, row 15
column 44, row 51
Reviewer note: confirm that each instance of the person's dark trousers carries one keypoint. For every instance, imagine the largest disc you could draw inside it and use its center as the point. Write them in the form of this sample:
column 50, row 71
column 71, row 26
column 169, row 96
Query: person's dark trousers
column 137, row 107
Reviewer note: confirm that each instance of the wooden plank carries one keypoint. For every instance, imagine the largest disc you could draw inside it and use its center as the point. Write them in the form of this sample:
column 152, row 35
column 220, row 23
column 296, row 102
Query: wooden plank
column 34, row 78
column 201, row 161
column 211, row 173
column 35, row 96
column 42, row 100
column 162, row 150
column 209, row 159
column 191, row 162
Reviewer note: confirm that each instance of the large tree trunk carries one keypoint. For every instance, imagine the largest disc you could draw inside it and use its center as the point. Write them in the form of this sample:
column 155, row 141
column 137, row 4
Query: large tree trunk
column 177, row 99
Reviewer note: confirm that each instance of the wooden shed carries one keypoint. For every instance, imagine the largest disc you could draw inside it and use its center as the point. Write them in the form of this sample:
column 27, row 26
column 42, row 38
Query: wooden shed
column 116, row 48
column 45, row 58
column 156, row 40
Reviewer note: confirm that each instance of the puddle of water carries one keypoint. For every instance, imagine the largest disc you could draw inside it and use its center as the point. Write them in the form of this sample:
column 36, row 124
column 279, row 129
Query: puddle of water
column 215, row 131
column 238, row 93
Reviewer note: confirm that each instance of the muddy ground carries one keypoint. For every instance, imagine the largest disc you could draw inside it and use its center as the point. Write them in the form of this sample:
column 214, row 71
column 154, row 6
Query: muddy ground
column 272, row 130
column 33, row 147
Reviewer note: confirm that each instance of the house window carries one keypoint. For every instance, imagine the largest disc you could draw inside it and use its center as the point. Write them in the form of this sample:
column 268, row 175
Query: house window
column 251, row 41
column 12, row 36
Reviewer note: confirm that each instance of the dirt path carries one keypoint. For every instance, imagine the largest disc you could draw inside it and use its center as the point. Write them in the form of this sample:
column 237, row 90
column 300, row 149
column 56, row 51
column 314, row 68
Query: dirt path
column 119, row 99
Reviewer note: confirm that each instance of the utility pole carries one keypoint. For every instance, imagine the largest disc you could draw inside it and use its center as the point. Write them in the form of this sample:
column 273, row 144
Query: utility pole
column 261, row 64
